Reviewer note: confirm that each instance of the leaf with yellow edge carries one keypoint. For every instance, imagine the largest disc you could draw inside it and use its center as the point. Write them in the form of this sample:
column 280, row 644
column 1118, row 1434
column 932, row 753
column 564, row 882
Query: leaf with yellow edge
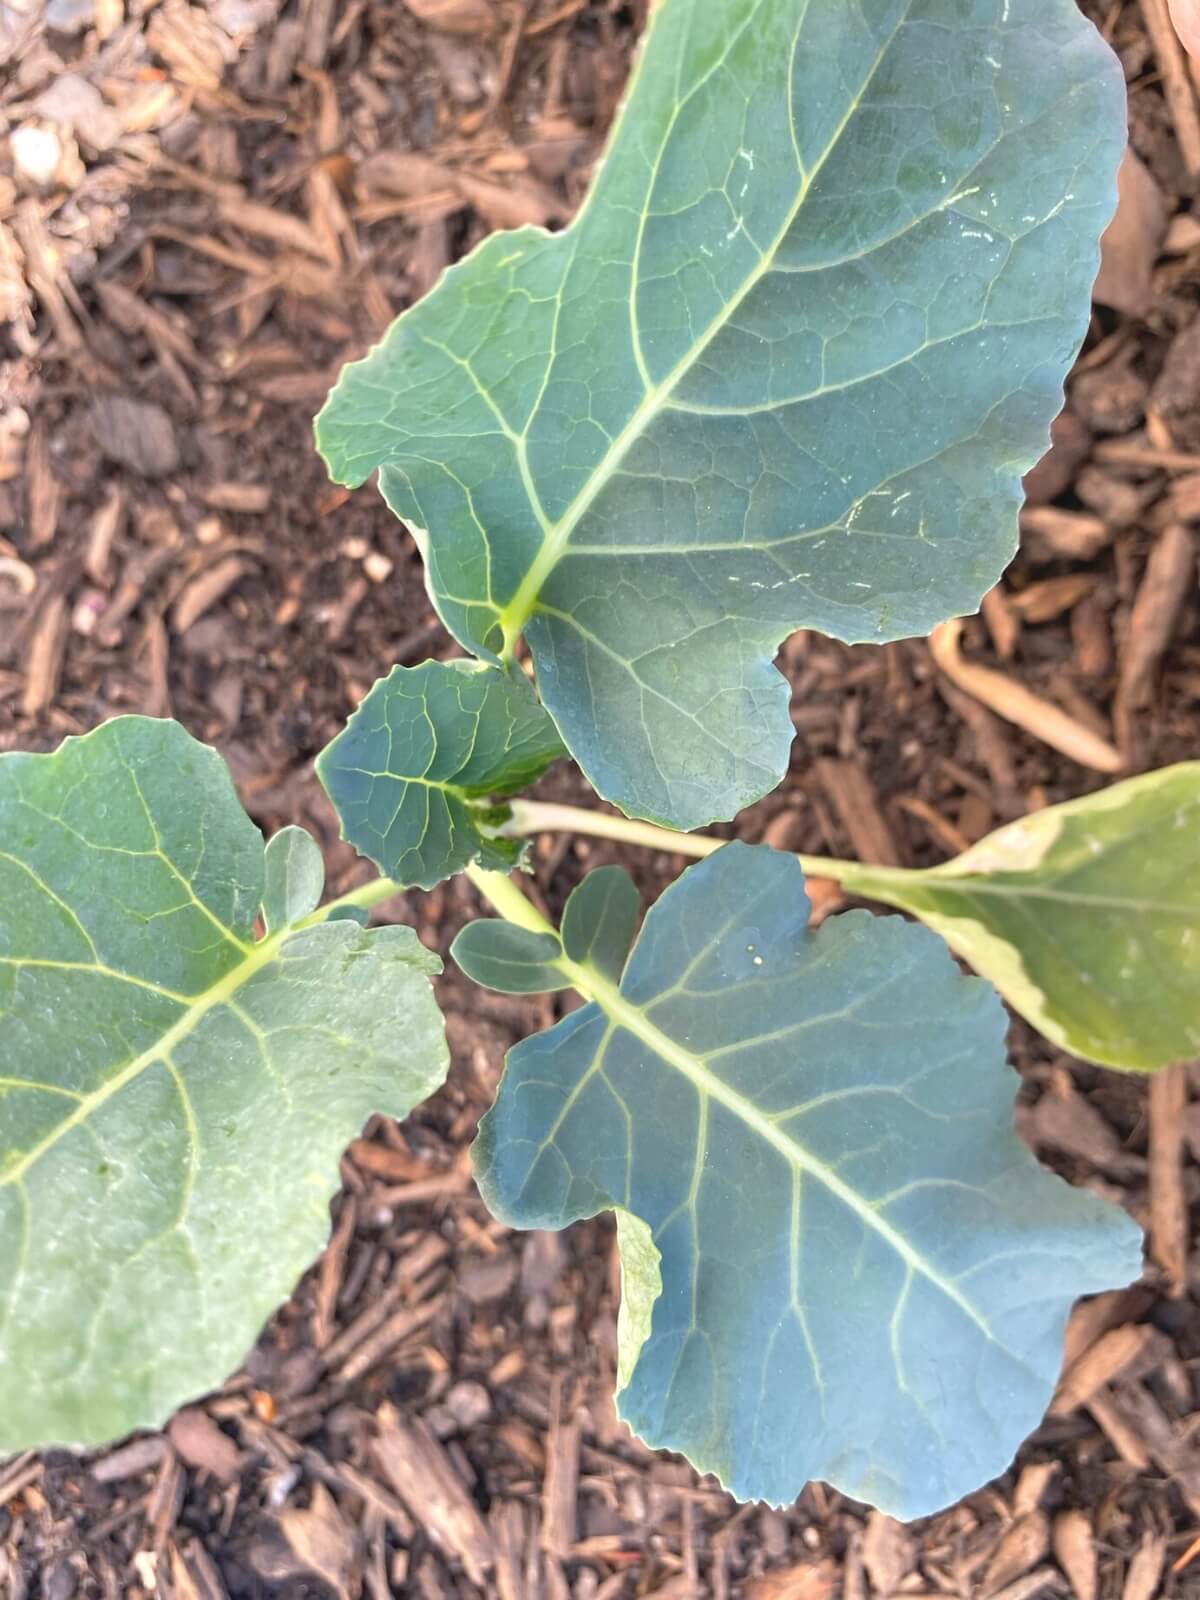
column 1086, row 917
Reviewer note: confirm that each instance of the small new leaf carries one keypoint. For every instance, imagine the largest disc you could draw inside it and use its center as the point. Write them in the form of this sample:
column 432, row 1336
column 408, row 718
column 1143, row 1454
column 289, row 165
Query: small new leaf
column 1086, row 917
column 513, row 960
column 784, row 370
column 294, row 878
column 599, row 921
column 808, row 1139
column 413, row 773
column 597, row 928
column 164, row 1075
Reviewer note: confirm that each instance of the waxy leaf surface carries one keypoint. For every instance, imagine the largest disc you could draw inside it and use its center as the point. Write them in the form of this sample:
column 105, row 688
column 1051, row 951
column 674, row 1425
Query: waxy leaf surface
column 784, row 370
column 865, row 1275
column 598, row 924
column 1086, row 917
column 599, row 920
column 412, row 773
column 512, row 960
column 174, row 1097
column 293, row 878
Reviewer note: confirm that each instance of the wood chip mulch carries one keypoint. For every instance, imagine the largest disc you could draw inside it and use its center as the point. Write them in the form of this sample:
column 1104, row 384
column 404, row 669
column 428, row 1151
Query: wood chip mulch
column 205, row 210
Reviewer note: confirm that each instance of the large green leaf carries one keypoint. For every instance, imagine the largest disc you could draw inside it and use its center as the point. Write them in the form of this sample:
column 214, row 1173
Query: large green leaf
column 784, row 370
column 413, row 773
column 1086, row 917
column 865, row 1275
column 175, row 1097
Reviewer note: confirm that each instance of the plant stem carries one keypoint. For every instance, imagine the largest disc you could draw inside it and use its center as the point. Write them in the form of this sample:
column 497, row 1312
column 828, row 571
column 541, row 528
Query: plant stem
column 509, row 901
column 514, row 906
column 535, row 816
column 365, row 896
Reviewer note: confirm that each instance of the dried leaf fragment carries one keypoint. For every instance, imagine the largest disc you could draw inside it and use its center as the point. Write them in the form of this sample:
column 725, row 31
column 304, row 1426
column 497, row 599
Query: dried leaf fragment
column 1014, row 702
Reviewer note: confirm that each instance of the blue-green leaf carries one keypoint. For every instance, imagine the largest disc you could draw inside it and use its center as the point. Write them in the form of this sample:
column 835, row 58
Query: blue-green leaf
column 785, row 370
column 513, row 960
column 413, row 773
column 865, row 1275
column 163, row 1075
column 293, row 878
column 599, row 920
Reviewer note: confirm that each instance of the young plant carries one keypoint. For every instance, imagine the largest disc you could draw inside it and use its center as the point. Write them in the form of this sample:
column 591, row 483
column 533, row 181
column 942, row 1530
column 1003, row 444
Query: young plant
column 785, row 369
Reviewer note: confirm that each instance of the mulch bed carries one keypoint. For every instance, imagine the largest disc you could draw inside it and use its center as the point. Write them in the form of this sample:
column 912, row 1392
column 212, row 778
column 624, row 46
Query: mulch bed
column 204, row 211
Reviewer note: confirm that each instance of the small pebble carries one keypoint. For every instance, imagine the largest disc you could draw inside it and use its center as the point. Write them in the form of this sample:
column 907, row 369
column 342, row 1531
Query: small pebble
column 36, row 153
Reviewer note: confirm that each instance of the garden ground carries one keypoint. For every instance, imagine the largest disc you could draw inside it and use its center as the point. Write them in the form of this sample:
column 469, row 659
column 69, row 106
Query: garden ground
column 232, row 199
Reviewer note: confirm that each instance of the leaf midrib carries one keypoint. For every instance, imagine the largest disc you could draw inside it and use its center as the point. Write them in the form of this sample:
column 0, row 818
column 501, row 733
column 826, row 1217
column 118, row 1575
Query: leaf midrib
column 1041, row 878
column 516, row 614
column 260, row 956
column 623, row 1013
column 966, row 887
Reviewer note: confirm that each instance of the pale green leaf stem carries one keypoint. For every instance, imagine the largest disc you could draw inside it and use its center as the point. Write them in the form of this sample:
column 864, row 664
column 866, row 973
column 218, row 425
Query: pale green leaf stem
column 1086, row 915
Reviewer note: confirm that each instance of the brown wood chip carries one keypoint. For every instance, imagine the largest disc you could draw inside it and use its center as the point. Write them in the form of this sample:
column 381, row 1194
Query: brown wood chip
column 47, row 647
column 1123, row 1352
column 888, row 1552
column 1049, row 533
column 1066, row 1120
column 1145, row 1570
column 1075, row 1552
column 1050, row 597
column 1022, row 1545
column 857, row 805
column 1132, row 239
column 1177, row 82
column 205, row 589
column 422, row 1475
column 1003, row 622
column 107, row 525
column 203, row 1445
column 1169, row 578
column 252, row 497
column 42, row 488
column 813, row 1580
column 135, row 433
column 1025, row 1588
column 1168, row 1201
column 130, row 1461
column 561, row 1484
column 321, row 1539
column 470, row 18
column 1091, row 638
column 1118, row 1431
